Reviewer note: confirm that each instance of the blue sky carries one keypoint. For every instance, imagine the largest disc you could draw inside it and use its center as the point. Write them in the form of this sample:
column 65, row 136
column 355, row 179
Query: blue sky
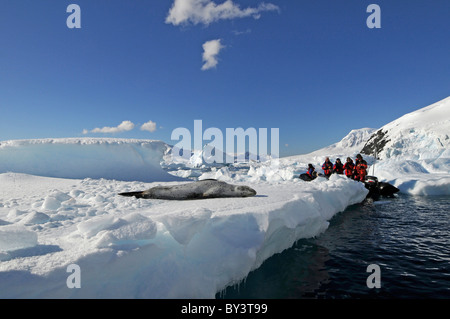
column 313, row 69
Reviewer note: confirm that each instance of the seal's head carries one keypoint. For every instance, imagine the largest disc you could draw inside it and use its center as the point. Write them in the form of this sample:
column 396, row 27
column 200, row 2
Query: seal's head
column 245, row 191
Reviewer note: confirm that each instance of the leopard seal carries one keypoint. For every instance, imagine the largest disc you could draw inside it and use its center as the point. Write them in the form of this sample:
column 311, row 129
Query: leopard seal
column 203, row 189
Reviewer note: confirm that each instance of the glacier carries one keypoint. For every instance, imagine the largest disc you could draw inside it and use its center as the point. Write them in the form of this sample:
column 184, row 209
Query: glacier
column 414, row 151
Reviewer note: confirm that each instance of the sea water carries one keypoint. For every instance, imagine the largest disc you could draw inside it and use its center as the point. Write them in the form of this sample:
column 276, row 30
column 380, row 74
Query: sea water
column 407, row 237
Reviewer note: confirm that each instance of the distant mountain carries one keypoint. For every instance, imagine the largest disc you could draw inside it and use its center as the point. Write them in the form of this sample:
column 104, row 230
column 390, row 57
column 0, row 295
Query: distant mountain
column 419, row 135
column 350, row 144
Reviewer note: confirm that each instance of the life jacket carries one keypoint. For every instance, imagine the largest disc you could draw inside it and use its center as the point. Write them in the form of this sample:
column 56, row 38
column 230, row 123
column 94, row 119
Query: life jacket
column 327, row 167
column 361, row 170
column 361, row 166
column 310, row 172
column 349, row 167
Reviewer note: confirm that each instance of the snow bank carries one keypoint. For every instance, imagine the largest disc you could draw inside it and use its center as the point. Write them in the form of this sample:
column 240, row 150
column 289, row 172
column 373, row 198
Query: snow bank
column 119, row 159
column 413, row 178
column 136, row 248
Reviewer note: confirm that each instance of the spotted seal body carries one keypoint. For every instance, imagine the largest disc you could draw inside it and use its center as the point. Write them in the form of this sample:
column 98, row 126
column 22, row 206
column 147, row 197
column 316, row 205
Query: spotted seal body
column 196, row 190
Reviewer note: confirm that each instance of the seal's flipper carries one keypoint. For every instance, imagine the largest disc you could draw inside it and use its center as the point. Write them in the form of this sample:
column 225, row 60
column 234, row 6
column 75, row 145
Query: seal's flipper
column 210, row 192
column 135, row 194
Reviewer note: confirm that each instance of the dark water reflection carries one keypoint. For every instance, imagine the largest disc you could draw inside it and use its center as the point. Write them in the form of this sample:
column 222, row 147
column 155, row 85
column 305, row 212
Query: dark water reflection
column 408, row 237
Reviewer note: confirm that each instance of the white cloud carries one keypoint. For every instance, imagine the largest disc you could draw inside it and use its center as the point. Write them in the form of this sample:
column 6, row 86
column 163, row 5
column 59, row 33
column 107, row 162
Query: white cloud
column 206, row 11
column 210, row 51
column 149, row 126
column 122, row 127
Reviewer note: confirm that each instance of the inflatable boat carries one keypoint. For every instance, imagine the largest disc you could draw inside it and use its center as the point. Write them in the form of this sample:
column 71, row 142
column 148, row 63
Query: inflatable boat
column 376, row 189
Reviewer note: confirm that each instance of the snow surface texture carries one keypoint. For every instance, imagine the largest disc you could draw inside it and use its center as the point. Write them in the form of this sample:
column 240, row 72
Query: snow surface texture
column 136, row 248
column 130, row 248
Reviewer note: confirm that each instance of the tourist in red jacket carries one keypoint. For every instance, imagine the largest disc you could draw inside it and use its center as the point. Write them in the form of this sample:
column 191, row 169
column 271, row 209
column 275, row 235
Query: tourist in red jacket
column 327, row 167
column 349, row 168
column 360, row 168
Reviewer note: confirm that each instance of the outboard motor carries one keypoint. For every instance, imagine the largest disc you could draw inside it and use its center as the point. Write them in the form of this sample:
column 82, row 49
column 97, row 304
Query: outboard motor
column 371, row 183
column 371, row 179
column 377, row 189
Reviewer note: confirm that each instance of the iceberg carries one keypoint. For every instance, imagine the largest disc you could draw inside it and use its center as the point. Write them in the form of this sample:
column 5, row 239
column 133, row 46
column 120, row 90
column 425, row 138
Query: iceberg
column 65, row 210
column 121, row 159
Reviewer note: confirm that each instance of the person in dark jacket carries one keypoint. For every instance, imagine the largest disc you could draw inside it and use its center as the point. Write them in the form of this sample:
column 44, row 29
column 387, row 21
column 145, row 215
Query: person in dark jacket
column 360, row 168
column 338, row 167
column 327, row 167
column 309, row 175
column 349, row 168
column 311, row 171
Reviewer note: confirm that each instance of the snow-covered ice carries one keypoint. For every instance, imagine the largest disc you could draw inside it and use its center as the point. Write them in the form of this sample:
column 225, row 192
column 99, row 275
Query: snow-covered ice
column 136, row 248
column 59, row 206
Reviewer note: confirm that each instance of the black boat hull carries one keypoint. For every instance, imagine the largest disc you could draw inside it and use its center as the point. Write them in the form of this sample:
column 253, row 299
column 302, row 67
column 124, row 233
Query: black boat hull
column 376, row 189
column 379, row 189
column 305, row 177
